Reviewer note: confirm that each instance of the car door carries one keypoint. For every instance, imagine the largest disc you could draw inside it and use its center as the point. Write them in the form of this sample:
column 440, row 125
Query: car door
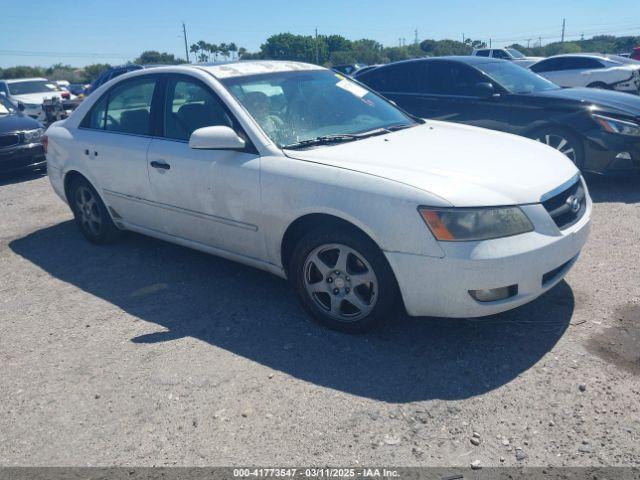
column 401, row 83
column 451, row 90
column 114, row 138
column 211, row 197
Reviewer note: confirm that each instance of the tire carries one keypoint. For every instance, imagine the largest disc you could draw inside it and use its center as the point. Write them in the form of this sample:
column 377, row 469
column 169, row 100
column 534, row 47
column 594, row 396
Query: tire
column 600, row 85
column 91, row 214
column 563, row 140
column 342, row 279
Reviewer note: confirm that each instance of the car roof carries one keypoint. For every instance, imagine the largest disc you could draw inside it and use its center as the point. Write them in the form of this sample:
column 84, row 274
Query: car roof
column 468, row 59
column 244, row 68
column 33, row 79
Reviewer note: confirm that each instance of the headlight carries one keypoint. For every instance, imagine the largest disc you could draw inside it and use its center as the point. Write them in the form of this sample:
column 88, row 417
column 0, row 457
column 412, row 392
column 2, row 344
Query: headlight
column 469, row 224
column 613, row 125
column 33, row 135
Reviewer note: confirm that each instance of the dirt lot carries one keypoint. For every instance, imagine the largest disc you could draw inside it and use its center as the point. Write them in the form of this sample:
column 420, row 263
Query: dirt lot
column 145, row 353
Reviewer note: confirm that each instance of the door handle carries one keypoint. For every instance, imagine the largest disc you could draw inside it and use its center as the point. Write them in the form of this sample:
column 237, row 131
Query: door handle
column 160, row 164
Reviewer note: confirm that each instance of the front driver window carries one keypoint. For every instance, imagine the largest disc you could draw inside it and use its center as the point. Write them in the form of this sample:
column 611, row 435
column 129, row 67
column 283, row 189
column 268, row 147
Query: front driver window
column 190, row 106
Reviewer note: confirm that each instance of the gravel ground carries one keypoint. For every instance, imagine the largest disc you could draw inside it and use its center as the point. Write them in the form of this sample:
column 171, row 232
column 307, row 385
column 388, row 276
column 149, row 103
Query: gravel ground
column 144, row 353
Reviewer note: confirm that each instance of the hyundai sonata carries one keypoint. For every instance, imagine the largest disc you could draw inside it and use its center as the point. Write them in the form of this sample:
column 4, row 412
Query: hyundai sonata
column 297, row 170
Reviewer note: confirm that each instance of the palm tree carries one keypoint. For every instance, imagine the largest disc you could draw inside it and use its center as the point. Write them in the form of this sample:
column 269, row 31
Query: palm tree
column 213, row 48
column 242, row 52
column 233, row 49
column 224, row 50
column 202, row 57
column 194, row 49
column 203, row 47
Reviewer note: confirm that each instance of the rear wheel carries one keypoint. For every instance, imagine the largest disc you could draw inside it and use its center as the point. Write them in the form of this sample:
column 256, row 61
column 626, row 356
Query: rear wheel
column 565, row 142
column 91, row 214
column 343, row 279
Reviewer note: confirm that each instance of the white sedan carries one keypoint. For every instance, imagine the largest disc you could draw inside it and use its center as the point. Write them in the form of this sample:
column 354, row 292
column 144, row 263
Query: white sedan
column 610, row 72
column 32, row 93
column 299, row 171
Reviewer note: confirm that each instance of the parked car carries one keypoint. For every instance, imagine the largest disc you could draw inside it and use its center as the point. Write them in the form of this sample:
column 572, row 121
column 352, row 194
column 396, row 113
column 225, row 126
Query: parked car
column 349, row 69
column 77, row 88
column 20, row 140
column 635, row 55
column 610, row 72
column 33, row 92
column 510, row 54
column 110, row 73
column 598, row 130
column 292, row 169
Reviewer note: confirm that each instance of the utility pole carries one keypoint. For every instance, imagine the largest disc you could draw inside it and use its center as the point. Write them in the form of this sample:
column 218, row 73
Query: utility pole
column 463, row 38
column 540, row 41
column 490, row 44
column 415, row 41
column 564, row 24
column 528, row 43
column 186, row 49
column 317, row 49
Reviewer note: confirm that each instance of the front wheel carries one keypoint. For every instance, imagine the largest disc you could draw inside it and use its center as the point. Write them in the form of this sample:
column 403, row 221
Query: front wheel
column 565, row 142
column 343, row 280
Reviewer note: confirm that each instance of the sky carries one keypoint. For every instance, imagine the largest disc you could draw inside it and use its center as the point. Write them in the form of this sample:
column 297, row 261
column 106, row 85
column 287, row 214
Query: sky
column 115, row 31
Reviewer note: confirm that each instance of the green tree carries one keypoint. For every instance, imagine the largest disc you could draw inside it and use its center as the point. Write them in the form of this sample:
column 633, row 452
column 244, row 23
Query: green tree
column 195, row 48
column 154, row 57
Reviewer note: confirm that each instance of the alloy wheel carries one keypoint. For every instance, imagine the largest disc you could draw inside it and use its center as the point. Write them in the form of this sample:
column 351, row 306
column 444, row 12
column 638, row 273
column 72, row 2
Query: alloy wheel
column 341, row 282
column 560, row 143
column 88, row 210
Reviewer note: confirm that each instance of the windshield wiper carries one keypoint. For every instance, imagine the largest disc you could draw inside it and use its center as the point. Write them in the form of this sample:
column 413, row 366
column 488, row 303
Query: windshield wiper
column 338, row 138
column 323, row 140
column 400, row 126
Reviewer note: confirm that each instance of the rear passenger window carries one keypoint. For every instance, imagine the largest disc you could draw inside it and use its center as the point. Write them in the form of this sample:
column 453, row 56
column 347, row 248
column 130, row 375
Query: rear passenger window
column 190, row 106
column 482, row 53
column 405, row 77
column 129, row 108
column 97, row 115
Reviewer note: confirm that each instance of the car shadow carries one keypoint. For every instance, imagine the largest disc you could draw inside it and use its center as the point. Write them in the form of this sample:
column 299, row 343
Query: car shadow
column 21, row 176
column 255, row 315
column 614, row 189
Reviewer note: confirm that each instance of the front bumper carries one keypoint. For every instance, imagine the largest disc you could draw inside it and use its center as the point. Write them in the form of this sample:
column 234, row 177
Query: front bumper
column 611, row 154
column 535, row 262
column 22, row 157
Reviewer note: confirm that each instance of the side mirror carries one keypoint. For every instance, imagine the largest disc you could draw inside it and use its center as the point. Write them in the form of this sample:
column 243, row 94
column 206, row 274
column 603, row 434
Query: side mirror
column 484, row 90
column 21, row 106
column 216, row 138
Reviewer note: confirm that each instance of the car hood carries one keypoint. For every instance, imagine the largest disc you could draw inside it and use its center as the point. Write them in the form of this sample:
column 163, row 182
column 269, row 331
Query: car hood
column 464, row 166
column 623, row 103
column 17, row 122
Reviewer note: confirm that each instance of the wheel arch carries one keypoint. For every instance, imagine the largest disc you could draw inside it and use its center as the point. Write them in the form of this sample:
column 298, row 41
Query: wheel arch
column 69, row 177
column 310, row 221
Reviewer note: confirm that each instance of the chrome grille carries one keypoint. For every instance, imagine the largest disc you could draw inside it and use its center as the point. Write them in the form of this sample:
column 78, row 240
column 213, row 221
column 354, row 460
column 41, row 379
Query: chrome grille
column 567, row 207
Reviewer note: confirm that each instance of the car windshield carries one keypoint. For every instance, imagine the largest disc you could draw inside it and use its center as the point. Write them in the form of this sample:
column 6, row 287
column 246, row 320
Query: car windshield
column 32, row 86
column 516, row 79
column 515, row 53
column 6, row 107
column 299, row 107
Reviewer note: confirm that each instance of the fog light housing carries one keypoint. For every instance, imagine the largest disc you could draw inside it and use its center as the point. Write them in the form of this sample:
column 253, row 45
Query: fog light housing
column 623, row 156
column 494, row 294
